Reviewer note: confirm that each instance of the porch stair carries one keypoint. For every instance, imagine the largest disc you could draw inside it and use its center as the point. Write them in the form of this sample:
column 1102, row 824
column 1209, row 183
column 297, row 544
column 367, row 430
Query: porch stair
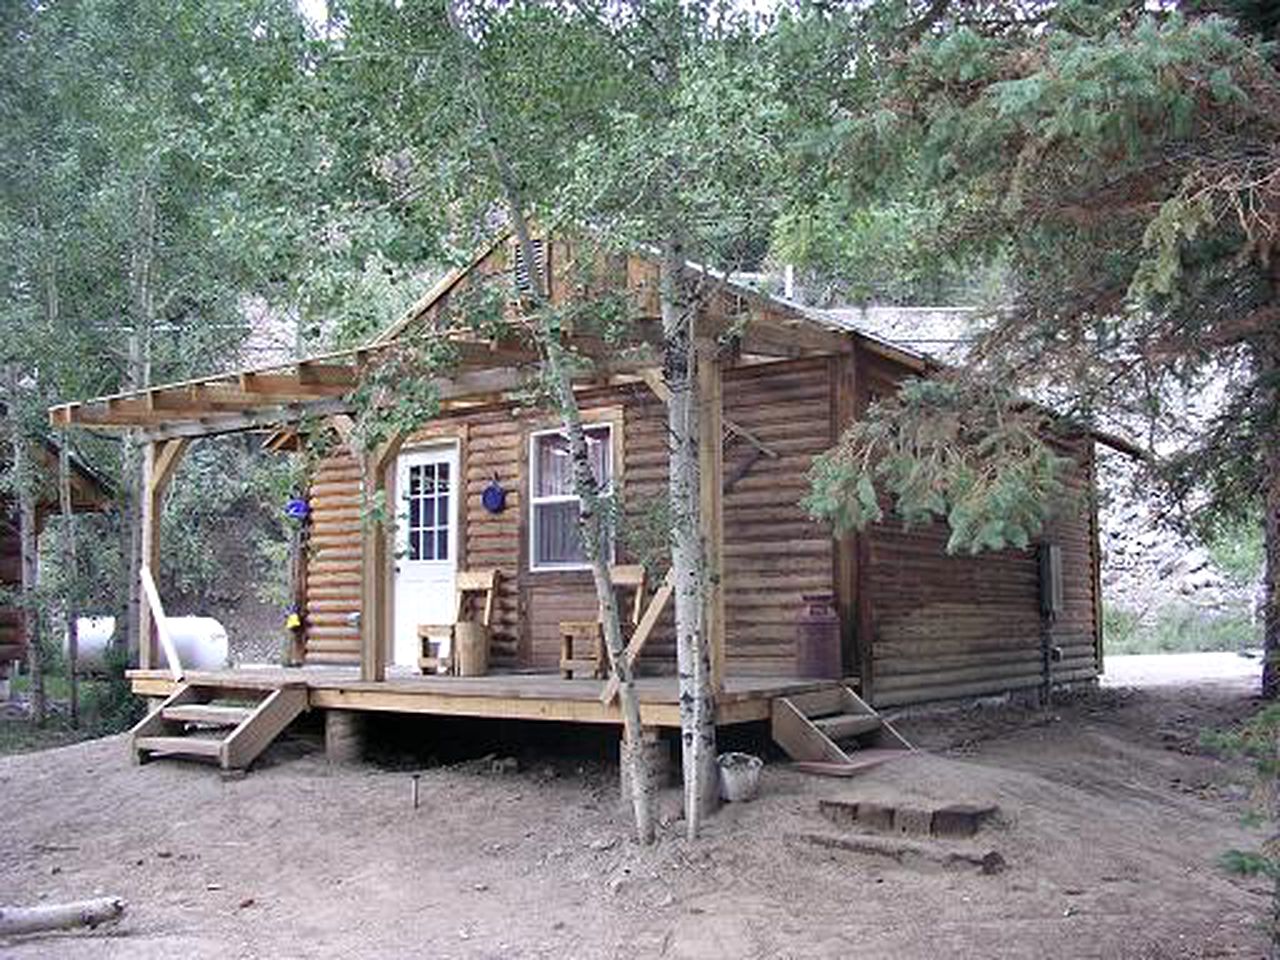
column 834, row 732
column 197, row 722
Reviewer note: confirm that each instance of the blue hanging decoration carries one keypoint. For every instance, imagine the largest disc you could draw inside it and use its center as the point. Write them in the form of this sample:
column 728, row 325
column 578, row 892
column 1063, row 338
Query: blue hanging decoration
column 297, row 508
column 494, row 498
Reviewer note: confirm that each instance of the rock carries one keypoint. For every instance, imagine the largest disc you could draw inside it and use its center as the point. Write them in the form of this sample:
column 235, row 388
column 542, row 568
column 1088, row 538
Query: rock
column 992, row 863
column 875, row 816
column 603, row 843
column 910, row 821
column 504, row 765
column 961, row 820
column 841, row 812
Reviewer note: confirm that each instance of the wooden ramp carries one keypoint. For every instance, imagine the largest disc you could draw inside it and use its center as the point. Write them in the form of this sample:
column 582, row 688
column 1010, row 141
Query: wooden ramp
column 202, row 721
column 834, row 732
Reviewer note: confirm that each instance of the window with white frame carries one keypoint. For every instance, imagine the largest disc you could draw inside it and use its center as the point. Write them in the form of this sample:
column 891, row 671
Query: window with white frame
column 555, row 541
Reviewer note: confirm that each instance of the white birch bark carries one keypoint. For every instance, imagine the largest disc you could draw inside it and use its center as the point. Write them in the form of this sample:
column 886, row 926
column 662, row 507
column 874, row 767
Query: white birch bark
column 594, row 523
column 697, row 704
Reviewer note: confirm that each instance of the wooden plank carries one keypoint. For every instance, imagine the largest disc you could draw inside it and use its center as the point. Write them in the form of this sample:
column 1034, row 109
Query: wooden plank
column 652, row 378
column 161, row 622
column 801, row 740
column 376, row 570
column 844, row 388
column 207, row 713
column 638, row 639
column 541, row 697
column 188, row 746
column 243, row 745
column 154, row 724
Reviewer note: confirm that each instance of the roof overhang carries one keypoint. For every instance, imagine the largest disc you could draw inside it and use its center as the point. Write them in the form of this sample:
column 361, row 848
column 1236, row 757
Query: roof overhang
column 760, row 327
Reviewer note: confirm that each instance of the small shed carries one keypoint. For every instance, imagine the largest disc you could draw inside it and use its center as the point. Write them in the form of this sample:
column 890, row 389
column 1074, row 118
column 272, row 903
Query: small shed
column 89, row 492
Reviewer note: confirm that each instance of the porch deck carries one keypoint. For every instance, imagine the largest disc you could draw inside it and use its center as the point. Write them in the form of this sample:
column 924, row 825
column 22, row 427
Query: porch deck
column 514, row 696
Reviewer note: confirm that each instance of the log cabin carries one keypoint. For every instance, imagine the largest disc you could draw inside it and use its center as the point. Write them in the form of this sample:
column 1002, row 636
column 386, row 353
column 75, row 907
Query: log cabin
column 807, row 631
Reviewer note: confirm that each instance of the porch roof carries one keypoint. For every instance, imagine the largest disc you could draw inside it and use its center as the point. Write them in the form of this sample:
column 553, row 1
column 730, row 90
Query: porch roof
column 263, row 397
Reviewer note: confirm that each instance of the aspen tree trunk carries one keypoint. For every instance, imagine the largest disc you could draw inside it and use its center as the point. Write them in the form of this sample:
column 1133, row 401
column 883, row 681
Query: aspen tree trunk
column 71, row 600
column 593, row 523
column 24, row 485
column 697, row 703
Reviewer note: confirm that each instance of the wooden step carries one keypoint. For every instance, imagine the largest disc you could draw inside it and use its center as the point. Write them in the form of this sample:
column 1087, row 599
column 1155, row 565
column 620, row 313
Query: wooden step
column 820, row 703
column 846, row 726
column 859, row 761
column 189, row 746
column 207, row 713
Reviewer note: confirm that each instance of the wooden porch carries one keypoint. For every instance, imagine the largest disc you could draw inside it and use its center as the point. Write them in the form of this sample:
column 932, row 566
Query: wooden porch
column 514, row 696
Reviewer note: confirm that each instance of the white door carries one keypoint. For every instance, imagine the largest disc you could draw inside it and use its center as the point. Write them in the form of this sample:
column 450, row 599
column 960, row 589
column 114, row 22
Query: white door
column 426, row 545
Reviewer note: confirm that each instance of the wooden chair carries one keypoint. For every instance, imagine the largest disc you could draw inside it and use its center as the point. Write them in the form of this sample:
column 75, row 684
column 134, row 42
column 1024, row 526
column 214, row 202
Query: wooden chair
column 437, row 638
column 582, row 650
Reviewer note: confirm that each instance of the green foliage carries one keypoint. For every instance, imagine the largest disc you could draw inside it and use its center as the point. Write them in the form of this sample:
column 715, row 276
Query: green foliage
column 977, row 458
column 398, row 390
column 1257, row 740
column 220, row 479
column 1176, row 629
column 1108, row 166
column 1236, row 546
column 645, row 533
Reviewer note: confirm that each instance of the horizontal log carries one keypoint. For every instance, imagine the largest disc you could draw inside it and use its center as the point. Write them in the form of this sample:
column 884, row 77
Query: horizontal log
column 16, row 921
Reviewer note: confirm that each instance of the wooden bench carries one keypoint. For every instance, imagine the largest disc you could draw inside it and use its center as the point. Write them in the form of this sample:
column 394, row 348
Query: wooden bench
column 437, row 638
column 582, row 649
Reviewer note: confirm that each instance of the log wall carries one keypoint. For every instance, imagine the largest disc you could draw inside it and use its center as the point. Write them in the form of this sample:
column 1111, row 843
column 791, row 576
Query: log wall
column 12, row 643
column 333, row 562
column 945, row 626
column 773, row 554
column 938, row 626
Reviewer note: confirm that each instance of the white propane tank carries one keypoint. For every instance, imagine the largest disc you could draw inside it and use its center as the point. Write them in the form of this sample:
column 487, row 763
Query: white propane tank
column 93, row 636
column 201, row 643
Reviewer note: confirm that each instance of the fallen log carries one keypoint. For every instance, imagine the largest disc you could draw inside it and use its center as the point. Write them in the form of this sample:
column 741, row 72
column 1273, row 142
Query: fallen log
column 907, row 852
column 60, row 916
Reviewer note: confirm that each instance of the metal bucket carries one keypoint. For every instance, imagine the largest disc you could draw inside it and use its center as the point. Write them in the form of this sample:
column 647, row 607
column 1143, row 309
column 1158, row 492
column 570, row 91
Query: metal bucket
column 739, row 776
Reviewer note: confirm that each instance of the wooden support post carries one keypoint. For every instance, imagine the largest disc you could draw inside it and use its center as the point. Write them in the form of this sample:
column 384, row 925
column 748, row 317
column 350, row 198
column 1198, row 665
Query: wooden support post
column 376, row 568
column 711, row 503
column 843, row 372
column 160, row 460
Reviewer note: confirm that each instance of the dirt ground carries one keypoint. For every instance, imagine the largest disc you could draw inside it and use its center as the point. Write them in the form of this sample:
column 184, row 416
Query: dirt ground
column 1111, row 825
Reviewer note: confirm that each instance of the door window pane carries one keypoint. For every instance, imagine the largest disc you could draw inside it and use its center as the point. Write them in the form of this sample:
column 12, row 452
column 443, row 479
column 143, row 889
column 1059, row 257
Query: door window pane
column 429, row 514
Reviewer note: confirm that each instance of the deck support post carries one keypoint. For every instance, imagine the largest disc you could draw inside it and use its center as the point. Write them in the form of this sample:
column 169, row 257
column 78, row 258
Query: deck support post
column 711, row 503
column 344, row 736
column 160, row 460
column 376, row 567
